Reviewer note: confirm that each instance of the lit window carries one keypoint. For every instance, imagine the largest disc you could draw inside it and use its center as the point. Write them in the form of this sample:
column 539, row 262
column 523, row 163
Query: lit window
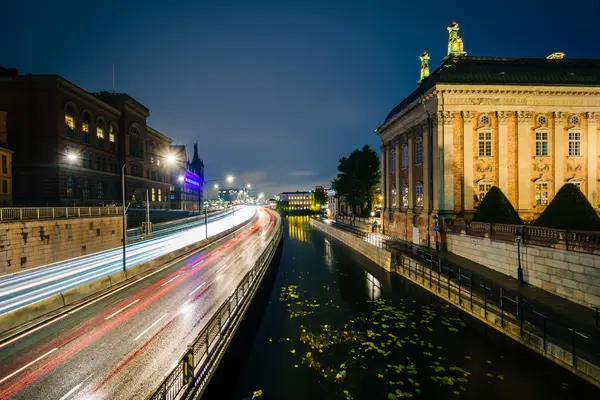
column 70, row 122
column 541, row 193
column 541, row 144
column 418, row 152
column 419, row 202
column 404, row 196
column 70, row 184
column 153, row 195
column 484, row 187
column 485, row 144
column 405, row 156
column 159, row 195
column 393, row 160
column 111, row 134
column 100, row 133
column 393, row 197
column 574, row 144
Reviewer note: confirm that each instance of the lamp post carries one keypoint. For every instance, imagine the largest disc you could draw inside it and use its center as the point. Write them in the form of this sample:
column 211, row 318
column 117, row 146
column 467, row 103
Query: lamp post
column 229, row 179
column 519, row 239
column 124, row 214
column 436, row 228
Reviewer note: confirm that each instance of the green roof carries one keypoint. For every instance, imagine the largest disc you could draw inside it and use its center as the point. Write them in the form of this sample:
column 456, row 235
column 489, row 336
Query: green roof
column 507, row 71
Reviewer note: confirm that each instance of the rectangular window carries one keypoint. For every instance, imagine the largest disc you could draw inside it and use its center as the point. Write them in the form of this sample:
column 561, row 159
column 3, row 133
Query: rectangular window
column 404, row 156
column 574, row 144
column 541, row 144
column 418, row 152
column 70, row 122
column 485, row 144
column 393, row 160
column 4, row 186
column 69, row 187
column 159, row 195
column 85, row 130
column 483, row 189
column 153, row 195
column 4, row 164
column 405, row 196
column 111, row 134
column 393, row 197
column 100, row 133
column 419, row 202
column 541, row 194
column 85, row 190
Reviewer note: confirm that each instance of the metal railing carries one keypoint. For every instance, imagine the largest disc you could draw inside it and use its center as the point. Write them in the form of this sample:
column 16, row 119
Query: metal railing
column 28, row 213
column 194, row 369
column 532, row 318
column 580, row 241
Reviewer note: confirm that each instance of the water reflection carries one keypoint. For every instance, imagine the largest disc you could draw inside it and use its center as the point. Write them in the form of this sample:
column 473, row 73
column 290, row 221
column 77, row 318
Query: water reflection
column 328, row 255
column 372, row 287
column 298, row 227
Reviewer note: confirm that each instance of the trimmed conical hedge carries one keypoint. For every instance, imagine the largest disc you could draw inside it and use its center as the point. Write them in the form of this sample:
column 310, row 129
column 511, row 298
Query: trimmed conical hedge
column 496, row 208
column 570, row 209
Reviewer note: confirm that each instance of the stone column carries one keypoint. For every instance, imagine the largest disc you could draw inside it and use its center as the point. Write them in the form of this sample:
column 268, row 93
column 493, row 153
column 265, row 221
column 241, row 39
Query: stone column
column 468, row 159
column 503, row 151
column 383, row 179
column 592, row 172
column 411, row 171
column 426, row 167
column 388, row 186
column 398, row 165
column 524, row 159
column 436, row 171
column 559, row 150
column 446, row 133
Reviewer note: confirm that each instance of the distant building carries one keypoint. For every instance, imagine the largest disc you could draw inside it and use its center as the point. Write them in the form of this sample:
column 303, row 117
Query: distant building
column 233, row 195
column 69, row 144
column 332, row 203
column 525, row 125
column 187, row 180
column 297, row 200
column 5, row 166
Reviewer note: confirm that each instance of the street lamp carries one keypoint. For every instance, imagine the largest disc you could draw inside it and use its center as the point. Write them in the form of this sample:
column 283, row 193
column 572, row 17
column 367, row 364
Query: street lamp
column 72, row 157
column 124, row 214
column 519, row 239
column 229, row 179
column 248, row 186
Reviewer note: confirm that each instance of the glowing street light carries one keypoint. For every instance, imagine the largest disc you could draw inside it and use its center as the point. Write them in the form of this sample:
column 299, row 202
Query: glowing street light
column 216, row 186
column 180, row 178
column 72, row 157
column 230, row 179
column 170, row 158
column 248, row 186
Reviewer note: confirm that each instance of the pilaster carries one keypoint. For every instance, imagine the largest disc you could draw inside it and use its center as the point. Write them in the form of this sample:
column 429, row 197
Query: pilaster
column 384, row 178
column 426, row 167
column 468, row 183
column 559, row 150
column 503, row 117
column 524, row 159
column 411, row 172
column 447, row 136
column 398, row 168
column 436, row 165
column 592, row 136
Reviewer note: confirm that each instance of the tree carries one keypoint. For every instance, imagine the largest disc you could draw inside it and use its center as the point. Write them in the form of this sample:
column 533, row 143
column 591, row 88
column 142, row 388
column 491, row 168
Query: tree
column 319, row 198
column 358, row 177
column 569, row 210
column 495, row 208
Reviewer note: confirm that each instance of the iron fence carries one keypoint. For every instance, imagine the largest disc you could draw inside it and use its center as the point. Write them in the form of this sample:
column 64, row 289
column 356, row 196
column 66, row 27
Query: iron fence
column 195, row 367
column 28, row 213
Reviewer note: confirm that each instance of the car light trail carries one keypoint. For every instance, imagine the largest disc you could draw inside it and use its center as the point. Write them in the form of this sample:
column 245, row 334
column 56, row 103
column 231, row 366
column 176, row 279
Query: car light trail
column 28, row 365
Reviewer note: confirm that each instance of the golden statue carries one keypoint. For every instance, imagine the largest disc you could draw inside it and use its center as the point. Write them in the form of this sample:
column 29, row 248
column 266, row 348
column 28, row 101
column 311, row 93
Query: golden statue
column 455, row 42
column 424, row 57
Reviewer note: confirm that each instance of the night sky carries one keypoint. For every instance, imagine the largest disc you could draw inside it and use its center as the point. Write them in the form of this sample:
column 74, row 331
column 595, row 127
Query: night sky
column 275, row 92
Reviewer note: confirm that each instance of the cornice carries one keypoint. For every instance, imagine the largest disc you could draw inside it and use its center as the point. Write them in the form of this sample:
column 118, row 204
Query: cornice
column 507, row 90
column 431, row 94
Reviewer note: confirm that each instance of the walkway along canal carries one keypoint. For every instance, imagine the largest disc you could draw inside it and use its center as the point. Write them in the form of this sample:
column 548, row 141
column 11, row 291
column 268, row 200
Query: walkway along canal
column 334, row 325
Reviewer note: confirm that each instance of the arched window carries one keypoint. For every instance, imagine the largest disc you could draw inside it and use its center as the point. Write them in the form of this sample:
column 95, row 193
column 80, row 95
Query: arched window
column 112, row 136
column 419, row 195
column 100, row 131
column 100, row 191
column 404, row 156
column 418, row 151
column 404, row 195
column 70, row 187
column 85, row 189
column 86, row 120
column 393, row 196
column 483, row 187
column 542, row 192
column 393, row 159
column 136, row 147
column 70, row 113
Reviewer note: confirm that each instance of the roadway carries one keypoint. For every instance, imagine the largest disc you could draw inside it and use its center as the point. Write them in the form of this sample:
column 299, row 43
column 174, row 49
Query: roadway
column 36, row 284
column 122, row 345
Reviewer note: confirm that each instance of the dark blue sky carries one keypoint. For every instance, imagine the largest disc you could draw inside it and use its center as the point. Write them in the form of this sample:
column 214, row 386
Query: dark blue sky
column 276, row 92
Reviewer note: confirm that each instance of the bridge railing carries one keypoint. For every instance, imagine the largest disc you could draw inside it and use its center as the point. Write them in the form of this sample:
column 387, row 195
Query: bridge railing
column 195, row 368
column 29, row 213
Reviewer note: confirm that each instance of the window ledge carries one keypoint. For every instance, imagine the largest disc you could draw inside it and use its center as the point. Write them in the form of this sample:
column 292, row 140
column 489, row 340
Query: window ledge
column 575, row 156
column 419, row 165
column 485, row 157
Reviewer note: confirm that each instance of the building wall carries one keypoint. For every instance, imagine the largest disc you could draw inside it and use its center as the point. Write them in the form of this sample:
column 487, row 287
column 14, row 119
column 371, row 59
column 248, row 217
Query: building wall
column 574, row 276
column 454, row 174
column 25, row 245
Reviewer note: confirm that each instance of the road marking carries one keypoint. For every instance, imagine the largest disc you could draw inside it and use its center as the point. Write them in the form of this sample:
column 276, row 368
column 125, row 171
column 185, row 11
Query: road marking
column 28, row 365
column 122, row 309
column 198, row 263
column 170, row 280
column 150, row 327
column 194, row 291
column 75, row 388
column 220, row 269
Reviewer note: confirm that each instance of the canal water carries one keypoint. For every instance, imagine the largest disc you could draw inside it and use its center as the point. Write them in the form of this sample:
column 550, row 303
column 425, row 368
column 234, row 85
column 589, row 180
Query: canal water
column 334, row 325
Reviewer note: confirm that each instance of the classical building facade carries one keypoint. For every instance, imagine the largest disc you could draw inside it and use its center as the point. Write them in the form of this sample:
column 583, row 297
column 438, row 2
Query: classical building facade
column 527, row 126
column 69, row 144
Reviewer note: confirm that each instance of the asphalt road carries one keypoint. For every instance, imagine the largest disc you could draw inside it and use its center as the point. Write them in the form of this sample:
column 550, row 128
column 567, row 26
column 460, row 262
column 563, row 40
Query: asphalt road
column 122, row 345
column 39, row 283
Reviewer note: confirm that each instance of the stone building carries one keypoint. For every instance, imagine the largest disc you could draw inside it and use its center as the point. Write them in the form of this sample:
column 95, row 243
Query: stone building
column 5, row 165
column 69, row 144
column 526, row 125
column 187, row 179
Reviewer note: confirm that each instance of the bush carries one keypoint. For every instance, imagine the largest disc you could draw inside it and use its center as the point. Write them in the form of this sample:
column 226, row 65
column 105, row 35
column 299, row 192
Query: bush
column 496, row 208
column 570, row 210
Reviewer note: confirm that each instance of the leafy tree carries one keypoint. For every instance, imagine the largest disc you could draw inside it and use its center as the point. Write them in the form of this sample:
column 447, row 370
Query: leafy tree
column 319, row 197
column 570, row 210
column 282, row 206
column 495, row 208
column 358, row 177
